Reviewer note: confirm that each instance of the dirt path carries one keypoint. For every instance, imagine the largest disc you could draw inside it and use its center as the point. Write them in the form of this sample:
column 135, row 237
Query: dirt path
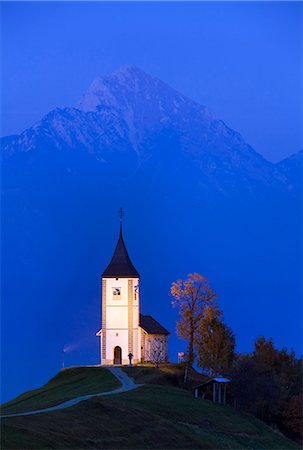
column 126, row 382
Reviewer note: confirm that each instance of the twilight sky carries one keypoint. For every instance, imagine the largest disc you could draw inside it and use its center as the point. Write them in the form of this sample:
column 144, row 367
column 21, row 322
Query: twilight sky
column 243, row 60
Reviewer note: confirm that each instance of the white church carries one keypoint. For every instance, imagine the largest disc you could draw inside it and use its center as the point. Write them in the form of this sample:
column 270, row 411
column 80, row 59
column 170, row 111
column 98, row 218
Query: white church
column 125, row 330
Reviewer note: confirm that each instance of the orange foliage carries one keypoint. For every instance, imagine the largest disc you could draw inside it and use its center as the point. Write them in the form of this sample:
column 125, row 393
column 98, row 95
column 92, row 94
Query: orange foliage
column 215, row 342
column 191, row 296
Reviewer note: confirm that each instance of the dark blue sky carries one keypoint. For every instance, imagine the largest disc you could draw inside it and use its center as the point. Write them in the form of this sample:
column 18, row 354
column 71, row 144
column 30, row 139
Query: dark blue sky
column 240, row 59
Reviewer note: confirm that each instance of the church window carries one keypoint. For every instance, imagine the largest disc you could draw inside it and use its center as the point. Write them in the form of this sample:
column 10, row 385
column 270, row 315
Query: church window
column 116, row 293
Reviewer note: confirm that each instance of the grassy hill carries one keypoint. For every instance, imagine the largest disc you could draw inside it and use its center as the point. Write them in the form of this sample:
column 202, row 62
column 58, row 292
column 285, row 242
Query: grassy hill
column 166, row 374
column 67, row 384
column 158, row 415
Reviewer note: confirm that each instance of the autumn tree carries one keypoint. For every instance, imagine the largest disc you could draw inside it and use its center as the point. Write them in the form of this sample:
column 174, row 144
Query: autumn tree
column 191, row 296
column 293, row 416
column 268, row 384
column 215, row 342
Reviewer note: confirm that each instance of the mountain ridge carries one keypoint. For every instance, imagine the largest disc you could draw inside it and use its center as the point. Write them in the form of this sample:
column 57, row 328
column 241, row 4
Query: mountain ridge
column 292, row 166
column 126, row 113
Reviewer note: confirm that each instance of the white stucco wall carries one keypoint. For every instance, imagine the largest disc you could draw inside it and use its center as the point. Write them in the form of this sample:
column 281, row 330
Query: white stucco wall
column 117, row 319
column 156, row 347
column 112, row 340
column 112, row 283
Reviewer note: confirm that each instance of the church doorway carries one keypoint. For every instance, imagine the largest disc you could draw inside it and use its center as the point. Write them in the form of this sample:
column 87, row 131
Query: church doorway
column 117, row 355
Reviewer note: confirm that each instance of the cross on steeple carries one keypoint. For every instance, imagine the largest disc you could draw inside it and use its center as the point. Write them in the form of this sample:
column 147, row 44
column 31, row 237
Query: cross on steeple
column 121, row 214
column 120, row 265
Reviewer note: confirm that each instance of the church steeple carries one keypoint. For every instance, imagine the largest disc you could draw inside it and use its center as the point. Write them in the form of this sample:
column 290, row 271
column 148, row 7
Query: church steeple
column 120, row 265
column 126, row 333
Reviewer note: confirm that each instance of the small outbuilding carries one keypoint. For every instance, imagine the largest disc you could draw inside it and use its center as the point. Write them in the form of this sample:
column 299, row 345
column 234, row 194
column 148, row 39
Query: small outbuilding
column 213, row 389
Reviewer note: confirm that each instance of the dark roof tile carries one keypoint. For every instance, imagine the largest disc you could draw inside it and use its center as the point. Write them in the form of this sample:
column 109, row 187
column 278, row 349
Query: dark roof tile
column 151, row 326
column 120, row 265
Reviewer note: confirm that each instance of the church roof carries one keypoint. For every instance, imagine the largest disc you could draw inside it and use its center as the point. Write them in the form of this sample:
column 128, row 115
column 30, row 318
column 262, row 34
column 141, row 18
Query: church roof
column 120, row 265
column 151, row 326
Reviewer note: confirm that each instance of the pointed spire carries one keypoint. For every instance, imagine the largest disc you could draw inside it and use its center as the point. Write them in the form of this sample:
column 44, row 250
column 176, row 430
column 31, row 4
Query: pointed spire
column 120, row 265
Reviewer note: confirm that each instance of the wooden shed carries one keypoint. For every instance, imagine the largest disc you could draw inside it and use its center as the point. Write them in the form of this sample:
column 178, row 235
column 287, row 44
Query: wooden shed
column 213, row 389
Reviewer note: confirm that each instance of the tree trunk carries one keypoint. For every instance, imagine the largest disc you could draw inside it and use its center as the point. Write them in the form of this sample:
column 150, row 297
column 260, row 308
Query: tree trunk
column 185, row 375
column 190, row 357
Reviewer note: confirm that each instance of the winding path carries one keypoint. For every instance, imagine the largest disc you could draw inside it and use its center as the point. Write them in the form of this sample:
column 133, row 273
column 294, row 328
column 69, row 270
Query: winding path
column 126, row 382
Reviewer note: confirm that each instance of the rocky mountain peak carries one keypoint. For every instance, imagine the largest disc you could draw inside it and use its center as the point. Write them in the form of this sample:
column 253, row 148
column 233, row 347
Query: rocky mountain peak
column 130, row 88
column 132, row 113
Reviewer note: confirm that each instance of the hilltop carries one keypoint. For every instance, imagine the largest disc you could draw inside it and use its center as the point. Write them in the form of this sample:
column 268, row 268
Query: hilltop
column 156, row 416
column 197, row 198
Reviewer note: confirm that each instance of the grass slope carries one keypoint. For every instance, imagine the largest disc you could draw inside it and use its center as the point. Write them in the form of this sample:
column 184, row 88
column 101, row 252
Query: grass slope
column 211, row 425
column 67, row 384
column 166, row 374
column 151, row 417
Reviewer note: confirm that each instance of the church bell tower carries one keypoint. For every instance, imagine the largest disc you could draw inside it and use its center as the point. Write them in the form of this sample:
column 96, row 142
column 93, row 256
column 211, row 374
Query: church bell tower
column 120, row 333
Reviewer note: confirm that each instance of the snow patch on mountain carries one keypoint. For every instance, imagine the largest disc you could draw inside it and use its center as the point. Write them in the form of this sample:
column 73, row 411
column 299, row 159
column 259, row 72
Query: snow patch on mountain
column 141, row 100
column 133, row 114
